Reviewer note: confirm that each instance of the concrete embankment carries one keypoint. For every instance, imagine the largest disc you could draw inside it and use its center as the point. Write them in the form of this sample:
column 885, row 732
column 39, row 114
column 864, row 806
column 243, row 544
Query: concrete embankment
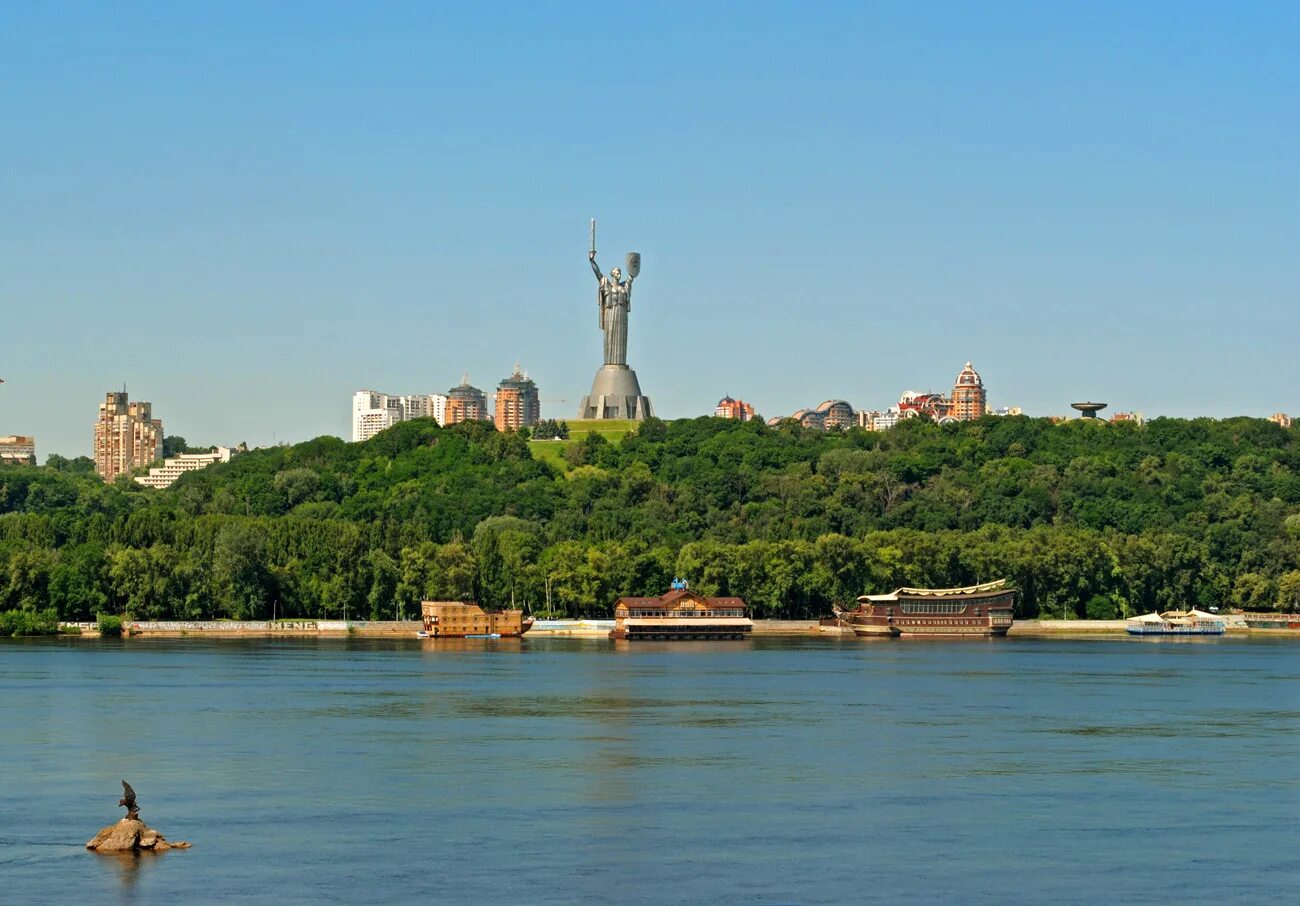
column 785, row 627
column 398, row 629
column 1066, row 627
column 384, row 628
column 269, row 628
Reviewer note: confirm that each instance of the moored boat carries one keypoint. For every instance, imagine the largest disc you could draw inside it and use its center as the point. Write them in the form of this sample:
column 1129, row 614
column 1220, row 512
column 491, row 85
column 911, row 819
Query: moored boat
column 460, row 620
column 1176, row 622
column 972, row 610
column 680, row 615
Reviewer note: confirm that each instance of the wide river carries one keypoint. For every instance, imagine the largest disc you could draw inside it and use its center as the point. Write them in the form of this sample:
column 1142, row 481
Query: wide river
column 556, row 770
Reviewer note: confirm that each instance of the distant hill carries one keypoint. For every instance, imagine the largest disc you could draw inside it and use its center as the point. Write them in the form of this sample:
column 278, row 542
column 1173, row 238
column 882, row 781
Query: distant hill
column 1086, row 519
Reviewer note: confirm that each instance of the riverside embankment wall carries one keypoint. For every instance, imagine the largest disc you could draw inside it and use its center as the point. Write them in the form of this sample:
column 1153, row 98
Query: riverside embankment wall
column 574, row 628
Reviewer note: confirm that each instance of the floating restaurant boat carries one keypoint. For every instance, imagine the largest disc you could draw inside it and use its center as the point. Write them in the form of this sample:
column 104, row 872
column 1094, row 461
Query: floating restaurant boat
column 459, row 620
column 1271, row 620
column 1176, row 622
column 973, row 610
column 680, row 614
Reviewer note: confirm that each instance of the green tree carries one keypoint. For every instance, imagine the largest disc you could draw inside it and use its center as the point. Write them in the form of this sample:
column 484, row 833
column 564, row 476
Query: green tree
column 1288, row 591
column 1253, row 592
column 240, row 581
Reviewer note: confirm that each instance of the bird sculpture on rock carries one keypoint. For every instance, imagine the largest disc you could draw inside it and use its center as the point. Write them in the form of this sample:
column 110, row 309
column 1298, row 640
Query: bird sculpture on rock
column 128, row 800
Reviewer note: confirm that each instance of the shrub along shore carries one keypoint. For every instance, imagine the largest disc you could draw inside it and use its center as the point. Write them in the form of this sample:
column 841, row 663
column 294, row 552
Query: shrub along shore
column 1087, row 520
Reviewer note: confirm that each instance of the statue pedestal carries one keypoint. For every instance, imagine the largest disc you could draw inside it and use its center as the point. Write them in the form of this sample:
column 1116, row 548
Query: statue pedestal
column 615, row 393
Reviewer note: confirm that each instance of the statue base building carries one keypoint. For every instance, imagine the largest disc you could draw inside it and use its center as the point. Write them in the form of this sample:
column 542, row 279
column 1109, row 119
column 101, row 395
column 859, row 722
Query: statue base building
column 615, row 393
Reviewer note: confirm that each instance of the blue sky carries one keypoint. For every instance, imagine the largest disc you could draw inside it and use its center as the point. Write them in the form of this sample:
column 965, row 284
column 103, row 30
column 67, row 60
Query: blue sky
column 247, row 211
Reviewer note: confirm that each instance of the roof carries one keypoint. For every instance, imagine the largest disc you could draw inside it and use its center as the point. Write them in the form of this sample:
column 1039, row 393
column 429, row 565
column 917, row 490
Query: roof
column 964, row 590
column 676, row 595
column 967, row 591
column 689, row 621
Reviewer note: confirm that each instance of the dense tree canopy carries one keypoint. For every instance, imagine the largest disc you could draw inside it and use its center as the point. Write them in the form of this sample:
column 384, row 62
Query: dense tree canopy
column 1086, row 518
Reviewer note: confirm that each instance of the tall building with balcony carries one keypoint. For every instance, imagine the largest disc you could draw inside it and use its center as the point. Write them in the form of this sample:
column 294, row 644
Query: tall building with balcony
column 466, row 403
column 372, row 411
column 18, row 449
column 517, row 403
column 968, row 397
column 127, row 436
column 738, row 410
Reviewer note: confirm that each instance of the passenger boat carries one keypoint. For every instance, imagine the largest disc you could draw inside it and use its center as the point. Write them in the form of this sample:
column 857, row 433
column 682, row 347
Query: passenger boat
column 1176, row 622
column 1271, row 620
column 973, row 610
column 680, row 615
column 460, row 620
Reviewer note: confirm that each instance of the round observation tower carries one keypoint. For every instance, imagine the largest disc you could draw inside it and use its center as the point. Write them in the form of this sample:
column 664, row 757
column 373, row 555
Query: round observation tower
column 1088, row 410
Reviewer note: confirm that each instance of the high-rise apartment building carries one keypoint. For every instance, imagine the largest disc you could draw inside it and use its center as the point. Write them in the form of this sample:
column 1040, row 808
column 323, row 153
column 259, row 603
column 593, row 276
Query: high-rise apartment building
column 517, row 402
column 127, row 436
column 738, row 410
column 968, row 397
column 465, row 403
column 372, row 411
column 18, row 449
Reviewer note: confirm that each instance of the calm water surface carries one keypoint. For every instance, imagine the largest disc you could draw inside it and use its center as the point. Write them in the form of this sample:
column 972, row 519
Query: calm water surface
column 551, row 770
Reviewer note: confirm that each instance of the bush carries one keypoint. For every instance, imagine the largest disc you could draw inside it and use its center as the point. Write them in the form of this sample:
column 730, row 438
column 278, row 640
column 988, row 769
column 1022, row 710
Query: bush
column 1101, row 607
column 109, row 625
column 29, row 622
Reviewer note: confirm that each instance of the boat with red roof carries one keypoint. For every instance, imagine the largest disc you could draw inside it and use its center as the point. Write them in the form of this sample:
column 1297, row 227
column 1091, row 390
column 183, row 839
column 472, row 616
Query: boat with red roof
column 680, row 614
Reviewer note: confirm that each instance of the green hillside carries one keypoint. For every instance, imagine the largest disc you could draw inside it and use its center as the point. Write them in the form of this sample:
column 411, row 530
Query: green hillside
column 1086, row 519
column 552, row 451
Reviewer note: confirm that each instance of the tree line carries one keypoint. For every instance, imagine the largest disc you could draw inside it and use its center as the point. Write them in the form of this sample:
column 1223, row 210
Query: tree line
column 1085, row 518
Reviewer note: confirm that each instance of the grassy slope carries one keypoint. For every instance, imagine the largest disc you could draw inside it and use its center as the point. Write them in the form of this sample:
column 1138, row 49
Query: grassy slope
column 552, row 451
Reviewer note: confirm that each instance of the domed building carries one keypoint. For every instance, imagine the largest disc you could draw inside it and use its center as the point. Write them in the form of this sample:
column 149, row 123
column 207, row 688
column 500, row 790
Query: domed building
column 466, row 402
column 836, row 414
column 969, row 400
column 810, row 418
column 738, row 410
column 830, row 415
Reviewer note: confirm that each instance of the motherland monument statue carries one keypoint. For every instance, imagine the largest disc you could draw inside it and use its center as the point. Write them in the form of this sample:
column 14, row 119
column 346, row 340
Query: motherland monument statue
column 615, row 392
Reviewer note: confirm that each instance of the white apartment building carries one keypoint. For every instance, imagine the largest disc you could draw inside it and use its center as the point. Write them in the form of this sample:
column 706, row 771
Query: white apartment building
column 18, row 448
column 883, row 421
column 372, row 411
column 175, row 466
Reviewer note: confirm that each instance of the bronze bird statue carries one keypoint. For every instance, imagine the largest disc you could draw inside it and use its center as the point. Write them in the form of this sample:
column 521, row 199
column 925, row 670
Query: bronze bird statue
column 128, row 799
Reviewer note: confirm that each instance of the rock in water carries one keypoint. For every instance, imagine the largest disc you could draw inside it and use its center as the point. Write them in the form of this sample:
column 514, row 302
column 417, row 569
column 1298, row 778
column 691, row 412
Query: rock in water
column 131, row 835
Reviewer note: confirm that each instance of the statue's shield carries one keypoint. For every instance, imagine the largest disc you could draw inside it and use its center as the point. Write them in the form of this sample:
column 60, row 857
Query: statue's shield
column 633, row 263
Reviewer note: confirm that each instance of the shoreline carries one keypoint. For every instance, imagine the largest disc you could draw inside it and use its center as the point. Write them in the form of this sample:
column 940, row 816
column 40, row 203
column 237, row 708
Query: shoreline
column 393, row 629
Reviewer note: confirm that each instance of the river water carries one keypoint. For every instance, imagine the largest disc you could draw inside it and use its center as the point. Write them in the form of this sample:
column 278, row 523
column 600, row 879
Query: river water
column 558, row 770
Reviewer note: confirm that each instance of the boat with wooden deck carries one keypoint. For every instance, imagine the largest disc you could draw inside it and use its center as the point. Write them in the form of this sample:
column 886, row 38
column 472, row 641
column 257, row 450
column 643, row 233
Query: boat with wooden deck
column 1271, row 620
column 679, row 615
column 461, row 620
column 973, row 610
column 1176, row 622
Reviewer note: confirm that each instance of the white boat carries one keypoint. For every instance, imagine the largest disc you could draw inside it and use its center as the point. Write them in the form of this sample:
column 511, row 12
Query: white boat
column 1176, row 622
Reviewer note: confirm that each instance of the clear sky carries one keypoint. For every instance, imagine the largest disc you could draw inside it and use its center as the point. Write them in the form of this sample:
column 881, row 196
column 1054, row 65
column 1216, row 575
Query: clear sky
column 244, row 212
